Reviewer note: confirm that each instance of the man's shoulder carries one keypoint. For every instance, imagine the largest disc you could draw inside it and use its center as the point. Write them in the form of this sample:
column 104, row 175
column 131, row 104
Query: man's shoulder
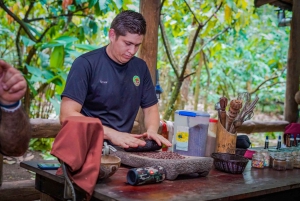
column 93, row 53
column 138, row 61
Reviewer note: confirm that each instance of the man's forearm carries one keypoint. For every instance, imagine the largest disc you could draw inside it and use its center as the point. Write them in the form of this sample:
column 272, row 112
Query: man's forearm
column 15, row 132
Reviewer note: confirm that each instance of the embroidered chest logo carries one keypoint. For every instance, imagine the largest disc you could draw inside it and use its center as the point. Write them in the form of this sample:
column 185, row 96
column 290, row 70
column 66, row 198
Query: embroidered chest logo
column 136, row 80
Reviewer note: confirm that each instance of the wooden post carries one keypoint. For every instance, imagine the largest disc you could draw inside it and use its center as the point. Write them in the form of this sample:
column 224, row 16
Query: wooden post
column 150, row 9
column 1, row 169
column 293, row 66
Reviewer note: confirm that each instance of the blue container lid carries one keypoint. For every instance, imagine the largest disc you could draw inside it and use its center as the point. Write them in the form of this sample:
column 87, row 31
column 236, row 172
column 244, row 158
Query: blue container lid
column 192, row 113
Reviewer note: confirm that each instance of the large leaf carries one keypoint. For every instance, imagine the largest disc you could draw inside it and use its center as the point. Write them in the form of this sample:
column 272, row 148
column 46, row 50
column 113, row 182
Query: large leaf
column 57, row 57
column 86, row 47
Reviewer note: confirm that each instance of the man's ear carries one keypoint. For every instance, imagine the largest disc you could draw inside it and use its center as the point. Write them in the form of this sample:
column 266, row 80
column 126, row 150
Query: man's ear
column 112, row 35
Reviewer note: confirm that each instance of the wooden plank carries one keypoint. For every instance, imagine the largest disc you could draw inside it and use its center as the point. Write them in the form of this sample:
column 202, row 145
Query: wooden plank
column 45, row 197
column 19, row 190
column 259, row 3
column 45, row 128
column 262, row 126
column 293, row 67
column 49, row 128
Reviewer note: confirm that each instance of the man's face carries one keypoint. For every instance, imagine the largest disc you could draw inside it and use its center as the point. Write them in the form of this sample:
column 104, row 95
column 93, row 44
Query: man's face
column 123, row 48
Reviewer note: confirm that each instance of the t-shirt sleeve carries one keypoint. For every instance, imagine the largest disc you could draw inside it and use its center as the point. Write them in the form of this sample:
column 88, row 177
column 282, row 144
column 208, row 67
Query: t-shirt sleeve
column 78, row 79
column 149, row 97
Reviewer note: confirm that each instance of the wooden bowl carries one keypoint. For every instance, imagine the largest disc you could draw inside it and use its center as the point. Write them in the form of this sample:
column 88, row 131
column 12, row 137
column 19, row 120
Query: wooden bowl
column 109, row 165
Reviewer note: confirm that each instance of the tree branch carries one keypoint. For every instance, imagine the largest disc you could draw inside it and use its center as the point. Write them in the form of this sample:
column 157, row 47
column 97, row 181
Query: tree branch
column 188, row 75
column 263, row 82
column 167, row 48
column 192, row 12
column 187, row 58
column 22, row 24
column 213, row 38
column 29, row 9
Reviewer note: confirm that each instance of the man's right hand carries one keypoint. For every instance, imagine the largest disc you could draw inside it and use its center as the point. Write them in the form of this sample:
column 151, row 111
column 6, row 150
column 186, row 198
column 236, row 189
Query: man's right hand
column 124, row 140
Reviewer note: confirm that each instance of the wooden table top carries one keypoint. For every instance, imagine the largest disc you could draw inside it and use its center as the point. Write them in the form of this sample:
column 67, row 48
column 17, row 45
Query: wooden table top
column 216, row 186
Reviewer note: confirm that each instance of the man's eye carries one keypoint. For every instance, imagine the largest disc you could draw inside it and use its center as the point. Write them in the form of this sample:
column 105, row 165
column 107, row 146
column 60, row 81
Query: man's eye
column 127, row 43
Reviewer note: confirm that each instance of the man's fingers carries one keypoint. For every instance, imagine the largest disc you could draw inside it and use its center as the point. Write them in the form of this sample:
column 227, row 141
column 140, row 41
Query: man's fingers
column 4, row 65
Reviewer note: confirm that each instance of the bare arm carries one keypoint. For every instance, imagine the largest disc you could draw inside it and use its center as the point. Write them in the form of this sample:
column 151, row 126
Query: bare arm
column 70, row 107
column 152, row 124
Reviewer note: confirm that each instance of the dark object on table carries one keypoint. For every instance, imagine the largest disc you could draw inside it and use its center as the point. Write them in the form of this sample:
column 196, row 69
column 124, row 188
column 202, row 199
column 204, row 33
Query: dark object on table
column 151, row 145
column 243, row 141
column 230, row 163
column 240, row 151
column 146, row 175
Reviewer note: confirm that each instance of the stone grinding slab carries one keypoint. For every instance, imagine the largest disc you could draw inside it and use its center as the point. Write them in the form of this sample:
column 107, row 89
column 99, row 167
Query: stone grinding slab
column 173, row 167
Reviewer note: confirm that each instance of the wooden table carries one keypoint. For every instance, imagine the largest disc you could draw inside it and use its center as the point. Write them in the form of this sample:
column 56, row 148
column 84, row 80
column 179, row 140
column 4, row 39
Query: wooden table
column 253, row 184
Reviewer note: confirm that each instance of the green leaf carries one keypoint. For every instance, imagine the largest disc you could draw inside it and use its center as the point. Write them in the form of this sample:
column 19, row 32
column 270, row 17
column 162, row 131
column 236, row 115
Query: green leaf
column 102, row 5
column 72, row 8
column 92, row 3
column 119, row 3
column 27, row 42
column 43, row 2
column 86, row 47
column 66, row 39
column 57, row 57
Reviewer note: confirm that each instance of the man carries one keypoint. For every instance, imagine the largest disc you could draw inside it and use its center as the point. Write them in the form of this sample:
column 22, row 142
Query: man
column 111, row 84
column 14, row 123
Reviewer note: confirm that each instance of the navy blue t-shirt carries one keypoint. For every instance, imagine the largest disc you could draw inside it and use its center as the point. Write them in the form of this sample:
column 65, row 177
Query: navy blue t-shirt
column 108, row 90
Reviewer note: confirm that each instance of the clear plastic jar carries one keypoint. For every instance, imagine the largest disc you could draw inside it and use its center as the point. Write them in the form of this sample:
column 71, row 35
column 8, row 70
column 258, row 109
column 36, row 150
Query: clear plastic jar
column 266, row 157
column 279, row 162
column 297, row 162
column 289, row 161
column 258, row 160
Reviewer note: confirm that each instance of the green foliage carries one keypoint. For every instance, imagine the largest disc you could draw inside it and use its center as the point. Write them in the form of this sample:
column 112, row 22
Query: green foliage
column 41, row 144
column 239, row 48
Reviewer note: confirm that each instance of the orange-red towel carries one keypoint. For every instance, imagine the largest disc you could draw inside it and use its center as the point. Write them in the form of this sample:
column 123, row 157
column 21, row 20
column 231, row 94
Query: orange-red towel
column 79, row 144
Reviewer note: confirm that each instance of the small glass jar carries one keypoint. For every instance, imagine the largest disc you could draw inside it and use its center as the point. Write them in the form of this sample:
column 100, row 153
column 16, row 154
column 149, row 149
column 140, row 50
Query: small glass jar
column 289, row 161
column 297, row 162
column 266, row 157
column 258, row 160
column 279, row 162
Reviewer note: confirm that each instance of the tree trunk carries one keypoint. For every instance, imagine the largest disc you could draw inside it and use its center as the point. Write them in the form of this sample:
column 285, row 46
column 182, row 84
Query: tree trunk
column 292, row 77
column 150, row 9
column 198, row 75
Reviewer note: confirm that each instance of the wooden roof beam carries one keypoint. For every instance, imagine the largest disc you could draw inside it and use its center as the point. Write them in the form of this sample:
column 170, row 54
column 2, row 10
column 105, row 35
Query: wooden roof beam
column 259, row 3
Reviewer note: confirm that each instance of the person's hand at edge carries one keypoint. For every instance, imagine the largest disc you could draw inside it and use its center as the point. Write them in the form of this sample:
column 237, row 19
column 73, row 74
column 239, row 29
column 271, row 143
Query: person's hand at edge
column 12, row 84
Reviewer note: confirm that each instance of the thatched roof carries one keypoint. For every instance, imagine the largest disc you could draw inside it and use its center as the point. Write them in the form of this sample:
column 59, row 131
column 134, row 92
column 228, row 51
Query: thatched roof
column 284, row 4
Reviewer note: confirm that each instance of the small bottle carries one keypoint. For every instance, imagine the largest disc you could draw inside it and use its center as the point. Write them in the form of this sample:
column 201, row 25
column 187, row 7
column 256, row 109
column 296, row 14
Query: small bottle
column 258, row 160
column 279, row 162
column 267, row 143
column 289, row 161
column 292, row 140
column 266, row 157
column 279, row 142
column 298, row 140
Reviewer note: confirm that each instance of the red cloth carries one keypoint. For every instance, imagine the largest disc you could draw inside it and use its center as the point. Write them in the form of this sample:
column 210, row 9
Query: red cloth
column 79, row 144
column 293, row 129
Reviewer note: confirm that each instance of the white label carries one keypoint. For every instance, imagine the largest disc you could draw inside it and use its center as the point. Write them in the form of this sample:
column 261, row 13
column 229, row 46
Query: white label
column 182, row 138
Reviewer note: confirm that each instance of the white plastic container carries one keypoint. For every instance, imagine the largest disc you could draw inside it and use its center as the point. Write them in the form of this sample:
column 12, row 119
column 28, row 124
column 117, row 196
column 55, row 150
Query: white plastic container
column 190, row 132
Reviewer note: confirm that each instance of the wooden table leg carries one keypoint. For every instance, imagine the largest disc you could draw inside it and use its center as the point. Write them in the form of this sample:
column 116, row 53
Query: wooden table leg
column 1, row 169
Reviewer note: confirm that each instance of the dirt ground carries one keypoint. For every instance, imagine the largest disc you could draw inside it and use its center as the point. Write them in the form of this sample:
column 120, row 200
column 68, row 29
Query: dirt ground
column 12, row 170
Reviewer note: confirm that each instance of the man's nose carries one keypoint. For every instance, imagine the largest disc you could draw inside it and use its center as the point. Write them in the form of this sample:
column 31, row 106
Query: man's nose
column 132, row 49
